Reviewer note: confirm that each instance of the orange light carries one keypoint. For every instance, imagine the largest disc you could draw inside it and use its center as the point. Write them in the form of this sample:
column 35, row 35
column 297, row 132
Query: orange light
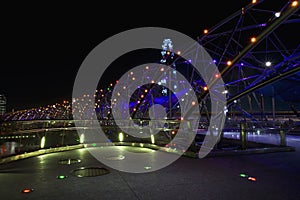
column 193, row 103
column 253, row 39
column 178, row 52
column 254, row 1
column 229, row 63
column 295, row 3
column 27, row 190
column 168, row 52
column 251, row 179
column 205, row 31
column 217, row 75
column 205, row 88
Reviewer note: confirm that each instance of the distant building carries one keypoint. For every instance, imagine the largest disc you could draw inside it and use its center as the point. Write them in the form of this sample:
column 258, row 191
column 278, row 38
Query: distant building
column 2, row 104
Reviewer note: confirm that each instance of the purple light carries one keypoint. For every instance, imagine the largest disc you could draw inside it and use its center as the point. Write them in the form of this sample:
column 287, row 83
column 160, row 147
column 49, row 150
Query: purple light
column 242, row 64
column 215, row 61
column 263, row 25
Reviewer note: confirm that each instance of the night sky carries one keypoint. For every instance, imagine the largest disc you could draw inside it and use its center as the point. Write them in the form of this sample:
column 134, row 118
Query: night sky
column 43, row 46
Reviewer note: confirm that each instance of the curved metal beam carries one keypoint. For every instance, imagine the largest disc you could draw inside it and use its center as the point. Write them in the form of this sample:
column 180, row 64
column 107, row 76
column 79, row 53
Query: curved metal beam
column 264, row 83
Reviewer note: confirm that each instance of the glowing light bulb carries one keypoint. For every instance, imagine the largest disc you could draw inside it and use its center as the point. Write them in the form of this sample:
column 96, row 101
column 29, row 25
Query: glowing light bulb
column 277, row 14
column 295, row 3
column 229, row 63
column 268, row 64
column 253, row 39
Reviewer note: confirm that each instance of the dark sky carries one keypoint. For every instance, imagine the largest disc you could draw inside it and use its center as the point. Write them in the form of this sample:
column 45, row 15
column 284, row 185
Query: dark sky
column 43, row 46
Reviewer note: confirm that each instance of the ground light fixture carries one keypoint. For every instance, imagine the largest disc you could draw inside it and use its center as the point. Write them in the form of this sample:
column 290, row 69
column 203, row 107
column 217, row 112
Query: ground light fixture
column 27, row 190
column 61, row 177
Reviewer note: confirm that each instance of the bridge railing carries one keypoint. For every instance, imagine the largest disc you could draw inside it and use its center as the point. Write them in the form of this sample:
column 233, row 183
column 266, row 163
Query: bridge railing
column 24, row 136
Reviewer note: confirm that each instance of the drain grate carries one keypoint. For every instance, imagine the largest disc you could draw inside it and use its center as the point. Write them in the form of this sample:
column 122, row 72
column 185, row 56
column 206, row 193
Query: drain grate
column 69, row 161
column 90, row 171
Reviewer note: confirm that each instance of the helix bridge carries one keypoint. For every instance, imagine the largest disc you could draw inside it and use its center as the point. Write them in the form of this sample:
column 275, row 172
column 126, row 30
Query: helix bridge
column 256, row 51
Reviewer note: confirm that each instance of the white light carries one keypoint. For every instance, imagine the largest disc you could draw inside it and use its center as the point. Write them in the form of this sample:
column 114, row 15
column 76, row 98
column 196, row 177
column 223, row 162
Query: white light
column 277, row 14
column 81, row 139
column 43, row 142
column 121, row 137
column 225, row 110
column 225, row 92
column 268, row 63
column 152, row 139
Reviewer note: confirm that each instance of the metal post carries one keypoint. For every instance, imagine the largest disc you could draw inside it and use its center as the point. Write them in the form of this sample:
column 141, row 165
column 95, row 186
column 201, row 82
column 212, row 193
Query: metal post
column 192, row 147
column 243, row 135
column 282, row 136
column 273, row 104
column 273, row 108
column 262, row 106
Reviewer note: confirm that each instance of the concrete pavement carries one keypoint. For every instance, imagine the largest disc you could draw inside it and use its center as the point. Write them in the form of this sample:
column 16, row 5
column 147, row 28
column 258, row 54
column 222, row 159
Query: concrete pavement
column 277, row 177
